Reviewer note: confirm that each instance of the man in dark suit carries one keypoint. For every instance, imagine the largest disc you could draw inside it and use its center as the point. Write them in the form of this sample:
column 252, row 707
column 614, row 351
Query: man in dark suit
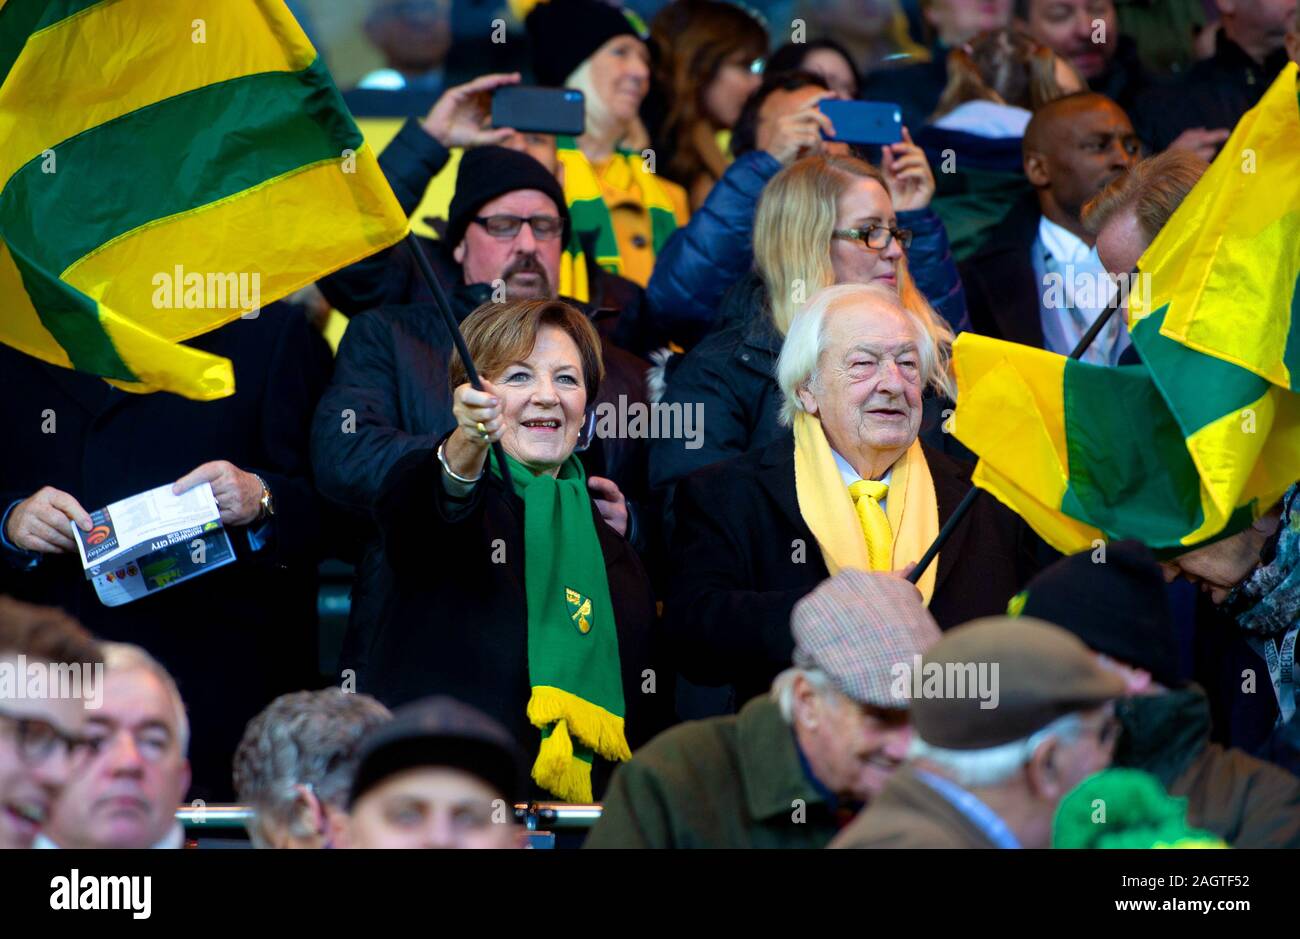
column 1037, row 279
column 234, row 637
column 852, row 369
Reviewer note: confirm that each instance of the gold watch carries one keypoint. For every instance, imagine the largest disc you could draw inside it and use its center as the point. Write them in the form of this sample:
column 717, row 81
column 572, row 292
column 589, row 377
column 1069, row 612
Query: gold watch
column 268, row 505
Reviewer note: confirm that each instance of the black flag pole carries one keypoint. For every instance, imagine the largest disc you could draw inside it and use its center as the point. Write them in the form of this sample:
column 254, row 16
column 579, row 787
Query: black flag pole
column 444, row 308
column 969, row 499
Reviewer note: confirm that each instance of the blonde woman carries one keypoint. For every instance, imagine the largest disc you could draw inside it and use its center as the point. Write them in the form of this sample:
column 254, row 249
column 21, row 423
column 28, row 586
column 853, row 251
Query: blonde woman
column 821, row 221
column 622, row 209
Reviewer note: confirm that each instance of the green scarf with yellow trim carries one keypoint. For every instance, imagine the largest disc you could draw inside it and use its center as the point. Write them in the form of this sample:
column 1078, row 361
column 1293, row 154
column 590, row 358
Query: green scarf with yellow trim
column 589, row 216
column 573, row 658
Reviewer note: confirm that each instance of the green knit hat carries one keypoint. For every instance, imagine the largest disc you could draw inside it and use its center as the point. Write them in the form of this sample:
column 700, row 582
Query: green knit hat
column 1125, row 808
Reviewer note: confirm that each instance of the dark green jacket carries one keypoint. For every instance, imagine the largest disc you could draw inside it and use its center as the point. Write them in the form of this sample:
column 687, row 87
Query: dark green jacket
column 1245, row 801
column 726, row 782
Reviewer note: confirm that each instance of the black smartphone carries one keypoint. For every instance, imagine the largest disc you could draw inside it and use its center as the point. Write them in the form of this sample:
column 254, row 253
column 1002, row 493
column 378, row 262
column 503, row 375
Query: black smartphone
column 539, row 110
column 869, row 122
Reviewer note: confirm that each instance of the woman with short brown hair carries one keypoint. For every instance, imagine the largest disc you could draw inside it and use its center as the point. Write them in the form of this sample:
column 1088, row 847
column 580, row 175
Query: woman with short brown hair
column 514, row 588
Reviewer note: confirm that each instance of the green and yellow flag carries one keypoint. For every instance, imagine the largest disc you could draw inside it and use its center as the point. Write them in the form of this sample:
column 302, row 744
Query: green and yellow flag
column 169, row 165
column 1204, row 435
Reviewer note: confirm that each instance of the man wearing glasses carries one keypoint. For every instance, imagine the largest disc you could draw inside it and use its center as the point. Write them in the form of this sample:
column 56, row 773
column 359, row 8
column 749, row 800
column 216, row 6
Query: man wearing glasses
column 39, row 736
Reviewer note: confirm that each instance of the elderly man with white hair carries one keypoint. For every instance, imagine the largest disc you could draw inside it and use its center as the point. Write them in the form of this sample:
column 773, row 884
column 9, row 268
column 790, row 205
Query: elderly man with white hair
column 127, row 789
column 849, row 487
column 794, row 765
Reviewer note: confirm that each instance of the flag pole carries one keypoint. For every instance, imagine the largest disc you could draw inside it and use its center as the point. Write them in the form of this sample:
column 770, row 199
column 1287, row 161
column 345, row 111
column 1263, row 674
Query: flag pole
column 969, row 499
column 444, row 308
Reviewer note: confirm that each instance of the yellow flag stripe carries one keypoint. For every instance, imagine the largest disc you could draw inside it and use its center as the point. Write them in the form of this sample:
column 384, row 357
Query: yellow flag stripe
column 57, row 88
column 369, row 220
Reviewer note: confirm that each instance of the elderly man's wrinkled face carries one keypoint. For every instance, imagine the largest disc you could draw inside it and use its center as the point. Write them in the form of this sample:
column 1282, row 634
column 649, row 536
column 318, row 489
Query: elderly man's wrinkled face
column 1092, row 752
column 544, row 401
column 1219, row 567
column 433, row 807
column 35, row 762
column 136, row 773
column 853, row 749
column 867, row 387
column 528, row 265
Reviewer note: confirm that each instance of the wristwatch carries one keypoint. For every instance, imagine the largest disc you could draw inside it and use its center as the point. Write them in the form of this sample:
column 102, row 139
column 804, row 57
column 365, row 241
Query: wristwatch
column 267, row 503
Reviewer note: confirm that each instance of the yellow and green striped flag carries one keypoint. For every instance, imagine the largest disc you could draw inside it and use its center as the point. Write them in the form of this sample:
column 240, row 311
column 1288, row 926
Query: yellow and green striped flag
column 1204, row 435
column 159, row 156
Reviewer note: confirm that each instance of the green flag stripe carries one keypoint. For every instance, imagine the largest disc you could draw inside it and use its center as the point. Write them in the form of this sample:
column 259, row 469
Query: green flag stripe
column 178, row 154
column 1291, row 355
column 20, row 18
column 73, row 320
column 1130, row 472
column 1204, row 388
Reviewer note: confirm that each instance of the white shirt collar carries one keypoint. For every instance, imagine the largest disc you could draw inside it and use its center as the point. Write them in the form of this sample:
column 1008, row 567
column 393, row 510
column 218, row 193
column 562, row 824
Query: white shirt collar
column 1061, row 243
column 850, row 475
column 175, row 838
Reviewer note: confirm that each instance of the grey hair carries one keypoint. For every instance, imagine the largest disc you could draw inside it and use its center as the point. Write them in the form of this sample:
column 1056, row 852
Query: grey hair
column 308, row 738
column 782, row 691
column 805, row 342
column 125, row 657
column 995, row 765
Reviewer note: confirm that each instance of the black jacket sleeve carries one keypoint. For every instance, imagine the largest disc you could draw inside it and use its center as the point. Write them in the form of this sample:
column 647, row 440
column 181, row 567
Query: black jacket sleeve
column 357, row 433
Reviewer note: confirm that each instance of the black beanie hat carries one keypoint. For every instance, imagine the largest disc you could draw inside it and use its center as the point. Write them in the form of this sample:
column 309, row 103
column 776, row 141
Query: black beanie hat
column 488, row 172
column 565, row 33
column 1118, row 608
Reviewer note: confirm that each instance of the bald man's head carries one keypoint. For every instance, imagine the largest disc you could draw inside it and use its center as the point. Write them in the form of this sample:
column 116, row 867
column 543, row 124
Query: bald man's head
column 1073, row 147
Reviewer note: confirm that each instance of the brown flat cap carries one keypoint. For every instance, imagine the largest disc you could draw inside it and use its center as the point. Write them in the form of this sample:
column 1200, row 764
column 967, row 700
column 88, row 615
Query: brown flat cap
column 860, row 628
column 996, row 680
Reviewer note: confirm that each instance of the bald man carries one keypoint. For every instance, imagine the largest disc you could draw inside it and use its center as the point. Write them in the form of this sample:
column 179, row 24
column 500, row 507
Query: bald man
column 1037, row 279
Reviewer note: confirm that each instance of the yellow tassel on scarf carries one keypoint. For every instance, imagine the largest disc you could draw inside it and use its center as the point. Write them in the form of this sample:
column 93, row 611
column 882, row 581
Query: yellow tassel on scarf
column 558, row 768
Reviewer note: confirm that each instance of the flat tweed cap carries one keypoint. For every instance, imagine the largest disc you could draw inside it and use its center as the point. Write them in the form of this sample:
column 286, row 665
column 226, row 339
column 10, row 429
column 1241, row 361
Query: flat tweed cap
column 858, row 628
column 1038, row 671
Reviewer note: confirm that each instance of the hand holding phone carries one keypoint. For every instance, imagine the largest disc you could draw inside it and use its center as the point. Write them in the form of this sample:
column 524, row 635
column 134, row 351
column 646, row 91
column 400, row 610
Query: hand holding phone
column 540, row 110
column 460, row 117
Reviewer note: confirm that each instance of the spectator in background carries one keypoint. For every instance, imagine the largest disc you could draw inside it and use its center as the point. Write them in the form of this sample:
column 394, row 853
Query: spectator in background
column 1119, row 609
column 917, row 86
column 780, row 123
column 413, row 36
column 528, row 586
column 438, row 775
column 851, row 486
column 981, row 777
column 295, row 765
column 1021, row 284
column 709, row 62
column 995, row 83
column 40, row 737
column 1086, row 34
column 136, row 772
column 622, row 211
column 824, row 741
column 1249, row 51
column 823, row 220
column 825, row 58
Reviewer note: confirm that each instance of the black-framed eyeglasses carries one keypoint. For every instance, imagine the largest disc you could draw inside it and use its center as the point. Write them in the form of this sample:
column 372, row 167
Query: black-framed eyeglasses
column 545, row 227
column 876, row 237
column 37, row 739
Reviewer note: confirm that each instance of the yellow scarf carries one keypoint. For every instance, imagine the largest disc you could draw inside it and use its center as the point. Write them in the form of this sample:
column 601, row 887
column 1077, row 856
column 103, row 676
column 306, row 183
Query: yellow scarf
column 827, row 507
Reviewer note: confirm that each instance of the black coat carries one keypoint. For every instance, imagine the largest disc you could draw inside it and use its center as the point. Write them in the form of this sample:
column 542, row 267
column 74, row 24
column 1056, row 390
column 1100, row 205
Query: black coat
column 456, row 622
column 242, row 634
column 390, row 395
column 1001, row 289
column 1214, row 92
column 743, row 556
